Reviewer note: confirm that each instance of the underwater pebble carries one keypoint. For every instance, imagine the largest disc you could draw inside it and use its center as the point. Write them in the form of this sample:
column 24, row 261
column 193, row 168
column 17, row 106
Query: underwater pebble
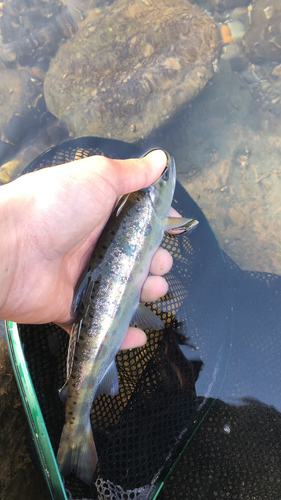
column 231, row 51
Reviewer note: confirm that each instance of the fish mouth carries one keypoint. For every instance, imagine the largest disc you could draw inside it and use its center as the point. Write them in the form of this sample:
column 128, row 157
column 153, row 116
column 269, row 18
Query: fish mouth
column 165, row 183
column 170, row 169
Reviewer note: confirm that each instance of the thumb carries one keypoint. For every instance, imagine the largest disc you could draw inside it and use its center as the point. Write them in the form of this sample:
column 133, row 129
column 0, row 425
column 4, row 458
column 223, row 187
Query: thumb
column 139, row 173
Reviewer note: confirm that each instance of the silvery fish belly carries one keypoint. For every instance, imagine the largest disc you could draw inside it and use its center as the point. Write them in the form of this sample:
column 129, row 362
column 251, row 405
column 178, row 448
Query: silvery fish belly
column 106, row 302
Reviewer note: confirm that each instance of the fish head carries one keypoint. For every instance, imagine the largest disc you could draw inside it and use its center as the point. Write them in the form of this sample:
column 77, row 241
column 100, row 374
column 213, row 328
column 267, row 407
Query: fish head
column 162, row 191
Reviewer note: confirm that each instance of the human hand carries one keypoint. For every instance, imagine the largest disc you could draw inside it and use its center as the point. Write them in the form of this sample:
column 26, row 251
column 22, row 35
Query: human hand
column 50, row 222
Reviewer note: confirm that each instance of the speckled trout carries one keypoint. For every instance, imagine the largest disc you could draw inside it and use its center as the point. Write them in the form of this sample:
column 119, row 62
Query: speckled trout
column 106, row 302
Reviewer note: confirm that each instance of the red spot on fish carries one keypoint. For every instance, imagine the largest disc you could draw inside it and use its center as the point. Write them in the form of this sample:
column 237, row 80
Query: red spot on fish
column 89, row 386
column 106, row 336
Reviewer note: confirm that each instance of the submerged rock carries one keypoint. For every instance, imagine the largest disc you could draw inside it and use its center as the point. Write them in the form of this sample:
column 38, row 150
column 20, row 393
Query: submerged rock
column 30, row 34
column 21, row 102
column 263, row 38
column 131, row 66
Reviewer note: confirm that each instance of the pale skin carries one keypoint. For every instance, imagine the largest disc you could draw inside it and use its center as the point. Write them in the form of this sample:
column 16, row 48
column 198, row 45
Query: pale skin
column 50, row 221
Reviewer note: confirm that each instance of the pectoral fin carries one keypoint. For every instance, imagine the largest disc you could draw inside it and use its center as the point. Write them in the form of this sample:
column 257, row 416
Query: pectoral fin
column 83, row 289
column 79, row 293
column 179, row 223
column 145, row 319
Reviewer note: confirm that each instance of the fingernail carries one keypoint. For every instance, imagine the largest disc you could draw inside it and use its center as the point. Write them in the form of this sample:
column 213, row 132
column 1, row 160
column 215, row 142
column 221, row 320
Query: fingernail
column 158, row 157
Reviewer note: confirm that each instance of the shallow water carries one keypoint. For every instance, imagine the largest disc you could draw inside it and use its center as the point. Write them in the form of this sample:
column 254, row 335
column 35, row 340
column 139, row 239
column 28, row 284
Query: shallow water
column 226, row 143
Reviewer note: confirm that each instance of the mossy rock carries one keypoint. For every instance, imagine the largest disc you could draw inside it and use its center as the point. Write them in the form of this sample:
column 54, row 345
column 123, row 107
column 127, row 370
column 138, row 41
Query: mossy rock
column 131, row 66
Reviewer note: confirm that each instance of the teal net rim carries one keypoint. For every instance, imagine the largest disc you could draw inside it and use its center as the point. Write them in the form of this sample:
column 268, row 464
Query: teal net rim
column 33, row 412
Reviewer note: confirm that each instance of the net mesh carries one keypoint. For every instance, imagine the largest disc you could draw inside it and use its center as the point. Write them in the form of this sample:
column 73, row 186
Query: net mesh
column 140, row 432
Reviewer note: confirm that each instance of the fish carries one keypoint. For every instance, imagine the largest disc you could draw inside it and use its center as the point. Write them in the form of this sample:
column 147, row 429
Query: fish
column 106, row 302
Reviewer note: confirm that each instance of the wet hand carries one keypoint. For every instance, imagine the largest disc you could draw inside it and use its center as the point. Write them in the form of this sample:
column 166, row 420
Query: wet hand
column 50, row 221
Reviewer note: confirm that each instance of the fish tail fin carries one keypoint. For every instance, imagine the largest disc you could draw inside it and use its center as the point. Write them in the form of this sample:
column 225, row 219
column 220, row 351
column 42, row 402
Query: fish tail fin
column 77, row 453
